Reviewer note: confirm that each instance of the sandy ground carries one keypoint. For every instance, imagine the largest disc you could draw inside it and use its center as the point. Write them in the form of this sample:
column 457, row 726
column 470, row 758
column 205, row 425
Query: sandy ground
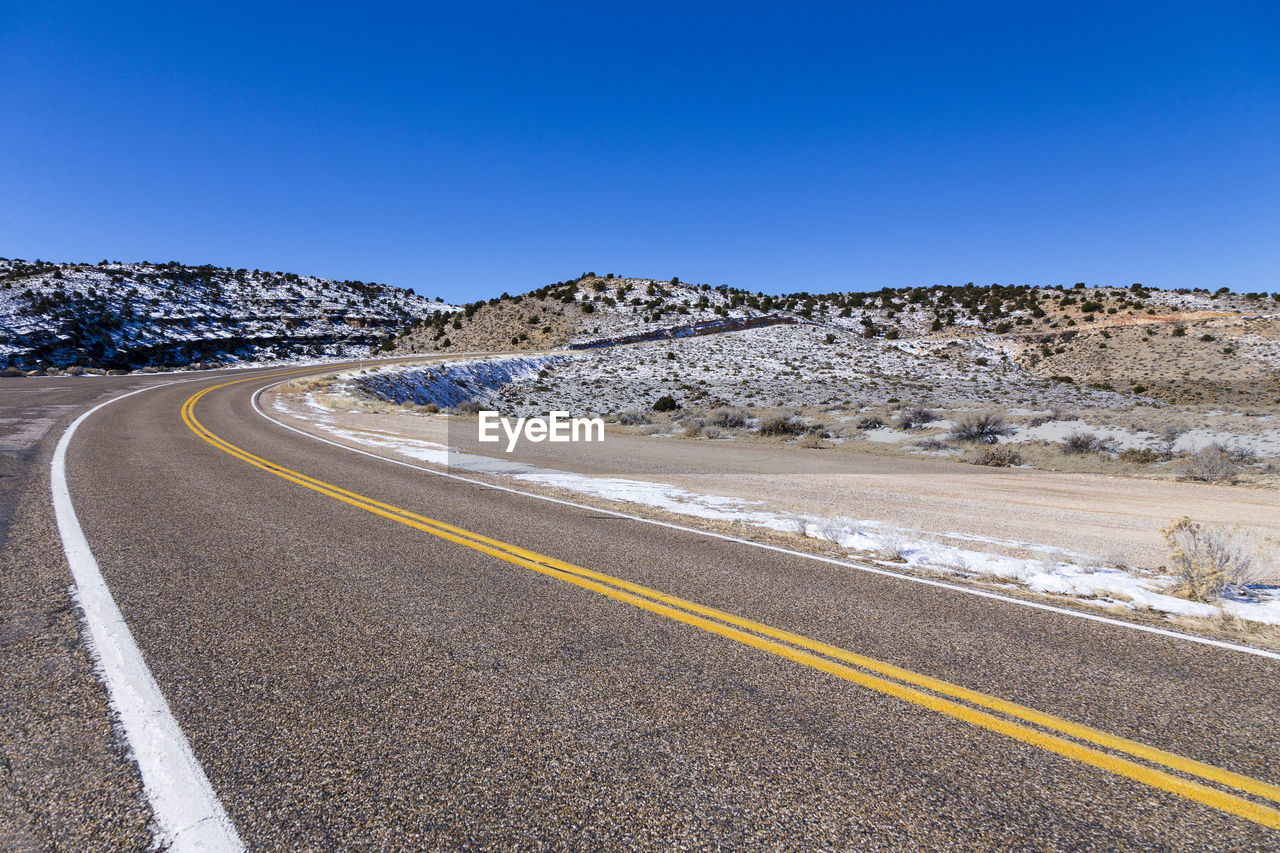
column 1113, row 518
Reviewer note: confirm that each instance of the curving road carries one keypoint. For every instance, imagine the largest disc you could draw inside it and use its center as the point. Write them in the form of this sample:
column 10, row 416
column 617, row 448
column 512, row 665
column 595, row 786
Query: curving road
column 367, row 656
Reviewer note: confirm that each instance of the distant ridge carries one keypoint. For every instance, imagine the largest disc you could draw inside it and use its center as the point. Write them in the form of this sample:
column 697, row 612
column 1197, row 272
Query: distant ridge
column 118, row 316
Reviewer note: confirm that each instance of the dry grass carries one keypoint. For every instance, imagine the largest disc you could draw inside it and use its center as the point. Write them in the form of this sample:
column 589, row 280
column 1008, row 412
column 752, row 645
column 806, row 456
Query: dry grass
column 1084, row 442
column 729, row 419
column 997, row 457
column 1211, row 464
column 782, row 425
column 1208, row 560
column 914, row 418
column 894, row 543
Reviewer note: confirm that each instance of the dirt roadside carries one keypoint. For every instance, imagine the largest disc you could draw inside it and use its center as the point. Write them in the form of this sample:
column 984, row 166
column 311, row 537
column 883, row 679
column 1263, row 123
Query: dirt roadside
column 1113, row 518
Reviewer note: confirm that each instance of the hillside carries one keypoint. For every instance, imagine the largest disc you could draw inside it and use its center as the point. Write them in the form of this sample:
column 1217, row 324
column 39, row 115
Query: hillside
column 143, row 315
column 1191, row 346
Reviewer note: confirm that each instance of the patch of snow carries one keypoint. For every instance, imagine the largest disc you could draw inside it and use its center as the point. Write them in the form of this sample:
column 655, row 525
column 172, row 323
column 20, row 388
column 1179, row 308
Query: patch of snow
column 1077, row 576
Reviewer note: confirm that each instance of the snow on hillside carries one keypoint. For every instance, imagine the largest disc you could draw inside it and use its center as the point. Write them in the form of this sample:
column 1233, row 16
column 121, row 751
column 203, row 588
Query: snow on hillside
column 628, row 306
column 136, row 315
column 790, row 367
column 1035, row 325
column 475, row 381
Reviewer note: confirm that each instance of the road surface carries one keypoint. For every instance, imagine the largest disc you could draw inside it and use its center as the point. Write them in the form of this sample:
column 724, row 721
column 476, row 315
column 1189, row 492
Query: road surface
column 362, row 655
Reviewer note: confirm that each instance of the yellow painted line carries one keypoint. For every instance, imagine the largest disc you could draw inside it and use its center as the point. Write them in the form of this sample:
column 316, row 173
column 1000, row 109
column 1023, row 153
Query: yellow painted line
column 713, row 621
column 1096, row 736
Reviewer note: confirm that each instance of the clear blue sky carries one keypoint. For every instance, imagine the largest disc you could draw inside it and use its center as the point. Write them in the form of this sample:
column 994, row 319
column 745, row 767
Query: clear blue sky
column 464, row 149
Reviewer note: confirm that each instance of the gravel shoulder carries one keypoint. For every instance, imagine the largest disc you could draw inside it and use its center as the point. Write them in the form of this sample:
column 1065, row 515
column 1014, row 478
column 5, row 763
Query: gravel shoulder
column 66, row 780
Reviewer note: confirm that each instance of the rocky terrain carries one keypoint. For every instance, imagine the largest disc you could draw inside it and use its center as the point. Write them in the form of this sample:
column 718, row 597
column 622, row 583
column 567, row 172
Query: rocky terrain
column 1187, row 347
column 142, row 315
column 1134, row 380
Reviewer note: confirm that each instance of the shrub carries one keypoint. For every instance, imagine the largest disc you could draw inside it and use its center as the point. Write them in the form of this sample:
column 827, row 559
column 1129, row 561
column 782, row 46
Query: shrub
column 1207, row 560
column 1140, row 456
column 467, row 407
column 835, row 529
column 1242, row 455
column 1172, row 433
column 665, row 403
column 1084, row 442
column 1210, row 464
column 1051, row 415
column 634, row 418
column 984, row 428
column 998, row 457
column 871, row 422
column 893, row 545
column 780, row 425
column 729, row 418
column 914, row 417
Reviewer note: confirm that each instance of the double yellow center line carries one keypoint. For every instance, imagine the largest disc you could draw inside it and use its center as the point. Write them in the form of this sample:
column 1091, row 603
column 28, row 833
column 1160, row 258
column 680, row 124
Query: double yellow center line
column 1046, row 731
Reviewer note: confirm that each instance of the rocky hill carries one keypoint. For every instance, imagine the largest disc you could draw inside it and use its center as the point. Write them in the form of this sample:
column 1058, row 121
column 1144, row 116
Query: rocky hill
column 1187, row 346
column 145, row 315
column 1190, row 347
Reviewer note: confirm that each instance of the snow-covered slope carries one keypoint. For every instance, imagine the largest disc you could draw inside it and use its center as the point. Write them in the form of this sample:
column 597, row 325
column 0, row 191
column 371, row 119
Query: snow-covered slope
column 476, row 381
column 127, row 316
column 1188, row 346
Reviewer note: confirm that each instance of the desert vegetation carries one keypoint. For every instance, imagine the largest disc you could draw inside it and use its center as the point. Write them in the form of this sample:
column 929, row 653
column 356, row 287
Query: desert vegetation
column 983, row 428
column 1209, row 561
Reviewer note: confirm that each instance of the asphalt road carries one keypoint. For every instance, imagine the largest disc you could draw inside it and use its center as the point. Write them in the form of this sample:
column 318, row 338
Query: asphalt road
column 349, row 681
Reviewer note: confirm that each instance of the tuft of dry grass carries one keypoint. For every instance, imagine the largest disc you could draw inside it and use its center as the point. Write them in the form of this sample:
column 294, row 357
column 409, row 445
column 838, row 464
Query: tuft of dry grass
column 997, row 457
column 634, row 418
column 729, row 418
column 914, row 417
column 782, row 425
column 895, row 543
column 1140, row 456
column 1207, row 560
column 1210, row 464
column 1084, row 442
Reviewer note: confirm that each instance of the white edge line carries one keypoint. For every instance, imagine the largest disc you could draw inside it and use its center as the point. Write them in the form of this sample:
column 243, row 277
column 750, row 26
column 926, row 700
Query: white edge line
column 187, row 812
column 980, row 593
